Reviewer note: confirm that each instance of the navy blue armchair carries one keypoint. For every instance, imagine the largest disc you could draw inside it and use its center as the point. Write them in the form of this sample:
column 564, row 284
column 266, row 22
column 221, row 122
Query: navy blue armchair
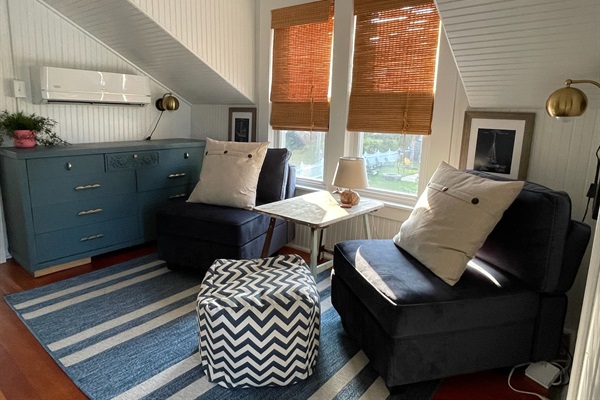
column 508, row 307
column 193, row 235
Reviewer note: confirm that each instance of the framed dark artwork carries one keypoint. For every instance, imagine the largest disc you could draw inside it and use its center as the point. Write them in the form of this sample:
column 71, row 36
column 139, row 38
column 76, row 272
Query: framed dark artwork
column 242, row 124
column 497, row 142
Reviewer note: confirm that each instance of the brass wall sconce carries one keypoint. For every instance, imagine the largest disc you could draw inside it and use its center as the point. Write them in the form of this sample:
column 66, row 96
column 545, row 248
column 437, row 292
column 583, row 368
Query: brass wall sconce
column 572, row 102
column 167, row 103
column 568, row 101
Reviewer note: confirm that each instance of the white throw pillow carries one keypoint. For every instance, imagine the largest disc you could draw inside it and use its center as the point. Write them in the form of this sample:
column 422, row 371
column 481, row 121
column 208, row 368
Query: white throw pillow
column 229, row 174
column 452, row 219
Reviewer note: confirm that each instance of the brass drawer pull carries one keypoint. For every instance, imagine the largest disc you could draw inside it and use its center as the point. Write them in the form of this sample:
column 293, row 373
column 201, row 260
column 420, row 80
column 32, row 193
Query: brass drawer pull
column 177, row 175
column 177, row 196
column 88, row 212
column 92, row 237
column 93, row 186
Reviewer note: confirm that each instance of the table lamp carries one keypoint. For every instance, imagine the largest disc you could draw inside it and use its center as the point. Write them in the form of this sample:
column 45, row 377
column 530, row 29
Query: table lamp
column 350, row 174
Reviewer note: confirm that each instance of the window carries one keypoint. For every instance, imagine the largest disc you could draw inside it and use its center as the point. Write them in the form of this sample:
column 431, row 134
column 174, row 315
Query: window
column 307, row 152
column 393, row 161
column 391, row 98
column 393, row 77
column 302, row 41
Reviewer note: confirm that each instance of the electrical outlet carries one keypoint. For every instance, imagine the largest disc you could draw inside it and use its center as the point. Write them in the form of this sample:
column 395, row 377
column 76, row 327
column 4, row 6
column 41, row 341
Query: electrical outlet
column 19, row 88
column 543, row 373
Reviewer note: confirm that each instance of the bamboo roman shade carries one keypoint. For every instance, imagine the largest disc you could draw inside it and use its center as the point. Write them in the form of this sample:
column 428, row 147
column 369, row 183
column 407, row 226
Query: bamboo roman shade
column 395, row 48
column 301, row 65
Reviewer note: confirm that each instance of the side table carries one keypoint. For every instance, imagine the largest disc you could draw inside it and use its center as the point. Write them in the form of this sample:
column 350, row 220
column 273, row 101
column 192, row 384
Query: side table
column 318, row 211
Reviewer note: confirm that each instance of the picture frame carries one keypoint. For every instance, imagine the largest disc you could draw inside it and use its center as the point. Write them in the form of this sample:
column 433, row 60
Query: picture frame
column 242, row 124
column 497, row 142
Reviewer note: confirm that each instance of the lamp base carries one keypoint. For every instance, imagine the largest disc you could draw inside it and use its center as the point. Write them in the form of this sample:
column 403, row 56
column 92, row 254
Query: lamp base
column 348, row 198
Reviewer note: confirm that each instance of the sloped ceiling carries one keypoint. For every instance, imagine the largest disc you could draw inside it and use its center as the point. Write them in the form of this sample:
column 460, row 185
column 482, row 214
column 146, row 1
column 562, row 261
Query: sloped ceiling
column 510, row 53
column 514, row 53
column 123, row 27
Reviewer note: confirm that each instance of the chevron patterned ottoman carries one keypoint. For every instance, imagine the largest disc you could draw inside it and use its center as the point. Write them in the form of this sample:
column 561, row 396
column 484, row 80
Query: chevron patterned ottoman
column 259, row 322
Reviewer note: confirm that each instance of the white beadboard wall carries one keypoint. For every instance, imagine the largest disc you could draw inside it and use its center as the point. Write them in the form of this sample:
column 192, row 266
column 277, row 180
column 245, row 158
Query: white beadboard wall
column 211, row 121
column 48, row 39
column 381, row 228
column 225, row 40
column 6, row 66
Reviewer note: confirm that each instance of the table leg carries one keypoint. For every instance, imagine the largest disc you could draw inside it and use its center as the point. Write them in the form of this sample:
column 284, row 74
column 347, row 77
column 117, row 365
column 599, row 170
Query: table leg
column 367, row 225
column 314, row 250
column 265, row 250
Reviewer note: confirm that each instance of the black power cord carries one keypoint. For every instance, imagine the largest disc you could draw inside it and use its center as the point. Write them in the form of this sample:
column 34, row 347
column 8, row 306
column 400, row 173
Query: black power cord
column 156, row 125
column 592, row 193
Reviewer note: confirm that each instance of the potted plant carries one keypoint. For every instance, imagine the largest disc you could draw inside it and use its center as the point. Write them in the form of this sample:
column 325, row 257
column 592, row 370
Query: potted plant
column 28, row 130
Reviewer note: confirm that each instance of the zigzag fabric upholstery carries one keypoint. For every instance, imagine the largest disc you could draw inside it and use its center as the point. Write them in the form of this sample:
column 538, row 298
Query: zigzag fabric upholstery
column 259, row 322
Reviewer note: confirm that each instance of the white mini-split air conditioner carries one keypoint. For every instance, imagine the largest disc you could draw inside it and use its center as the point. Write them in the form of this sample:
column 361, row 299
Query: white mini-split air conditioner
column 73, row 86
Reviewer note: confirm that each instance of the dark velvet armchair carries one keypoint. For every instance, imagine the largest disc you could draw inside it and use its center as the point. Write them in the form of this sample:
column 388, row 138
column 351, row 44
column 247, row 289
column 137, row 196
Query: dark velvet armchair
column 507, row 308
column 193, row 235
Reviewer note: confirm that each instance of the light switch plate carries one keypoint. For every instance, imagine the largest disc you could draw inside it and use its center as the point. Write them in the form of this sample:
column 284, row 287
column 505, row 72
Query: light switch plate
column 19, row 88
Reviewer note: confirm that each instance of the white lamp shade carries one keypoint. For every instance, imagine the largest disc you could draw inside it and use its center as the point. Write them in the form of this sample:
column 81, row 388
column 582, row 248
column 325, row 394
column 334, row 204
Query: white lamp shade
column 351, row 173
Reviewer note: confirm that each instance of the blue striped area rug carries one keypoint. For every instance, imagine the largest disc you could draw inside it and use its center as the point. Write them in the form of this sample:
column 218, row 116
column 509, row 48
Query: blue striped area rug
column 129, row 332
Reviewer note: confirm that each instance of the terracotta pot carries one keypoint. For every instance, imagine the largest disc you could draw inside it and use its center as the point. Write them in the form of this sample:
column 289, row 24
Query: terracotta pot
column 24, row 138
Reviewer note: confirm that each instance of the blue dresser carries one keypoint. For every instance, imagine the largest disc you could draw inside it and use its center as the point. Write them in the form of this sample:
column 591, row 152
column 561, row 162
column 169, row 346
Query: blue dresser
column 68, row 203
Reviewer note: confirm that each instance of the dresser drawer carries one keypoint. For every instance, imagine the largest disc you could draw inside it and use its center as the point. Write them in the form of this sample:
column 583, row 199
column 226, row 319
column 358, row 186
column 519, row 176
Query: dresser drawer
column 59, row 190
column 121, row 161
column 177, row 167
column 43, row 168
column 149, row 202
column 81, row 239
column 76, row 213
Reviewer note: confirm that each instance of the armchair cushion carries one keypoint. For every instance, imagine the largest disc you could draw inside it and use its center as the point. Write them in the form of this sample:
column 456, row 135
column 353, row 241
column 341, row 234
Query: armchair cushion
column 229, row 174
column 409, row 300
column 211, row 223
column 452, row 219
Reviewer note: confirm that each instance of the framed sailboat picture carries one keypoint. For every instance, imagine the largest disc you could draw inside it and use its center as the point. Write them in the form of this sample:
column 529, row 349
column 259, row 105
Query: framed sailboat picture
column 497, row 142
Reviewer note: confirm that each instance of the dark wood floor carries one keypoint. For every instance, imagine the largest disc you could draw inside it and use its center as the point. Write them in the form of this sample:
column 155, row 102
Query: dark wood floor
column 27, row 372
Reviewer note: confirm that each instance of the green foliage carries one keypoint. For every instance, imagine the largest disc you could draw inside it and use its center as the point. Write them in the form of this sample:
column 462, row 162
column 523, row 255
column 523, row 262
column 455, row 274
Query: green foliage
column 380, row 142
column 44, row 127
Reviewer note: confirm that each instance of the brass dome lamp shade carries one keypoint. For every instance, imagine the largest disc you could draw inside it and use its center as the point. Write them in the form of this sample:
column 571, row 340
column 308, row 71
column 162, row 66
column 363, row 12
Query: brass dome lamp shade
column 568, row 101
column 572, row 102
column 167, row 103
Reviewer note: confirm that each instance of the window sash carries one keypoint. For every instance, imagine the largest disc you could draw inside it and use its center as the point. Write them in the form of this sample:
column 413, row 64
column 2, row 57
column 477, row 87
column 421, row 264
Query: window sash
column 395, row 52
column 301, row 66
